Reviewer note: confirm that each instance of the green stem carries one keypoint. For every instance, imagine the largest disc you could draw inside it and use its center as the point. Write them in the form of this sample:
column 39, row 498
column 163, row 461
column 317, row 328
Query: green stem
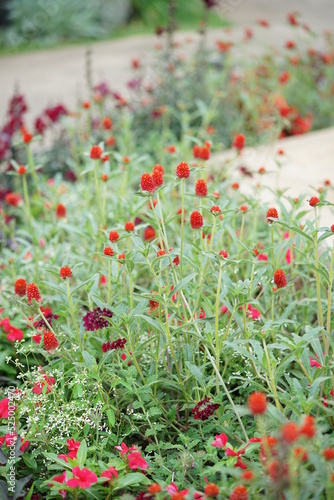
column 329, row 303
column 72, row 312
column 217, row 317
column 271, row 376
column 182, row 224
column 317, row 276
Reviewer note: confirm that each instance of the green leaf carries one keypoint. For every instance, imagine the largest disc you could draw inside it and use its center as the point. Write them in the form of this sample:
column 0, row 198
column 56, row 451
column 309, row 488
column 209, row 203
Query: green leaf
column 131, row 479
column 196, row 372
column 82, row 453
column 88, row 358
column 111, row 417
column 181, row 283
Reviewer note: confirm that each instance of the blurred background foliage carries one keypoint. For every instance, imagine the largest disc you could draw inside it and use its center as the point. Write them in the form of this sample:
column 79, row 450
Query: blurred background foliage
column 26, row 24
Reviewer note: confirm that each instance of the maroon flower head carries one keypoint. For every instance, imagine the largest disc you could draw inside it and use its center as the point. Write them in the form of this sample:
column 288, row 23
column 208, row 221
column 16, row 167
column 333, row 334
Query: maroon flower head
column 112, row 346
column 204, row 409
column 94, row 320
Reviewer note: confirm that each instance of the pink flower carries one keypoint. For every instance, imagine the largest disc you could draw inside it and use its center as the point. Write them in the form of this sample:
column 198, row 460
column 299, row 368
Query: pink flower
column 72, row 455
column 239, row 463
column 253, row 313
column 73, row 445
column 314, row 362
column 124, row 449
column 110, row 473
column 220, row 441
column 172, row 489
column 83, row 478
column 24, row 444
column 4, row 412
column 136, row 461
column 62, row 480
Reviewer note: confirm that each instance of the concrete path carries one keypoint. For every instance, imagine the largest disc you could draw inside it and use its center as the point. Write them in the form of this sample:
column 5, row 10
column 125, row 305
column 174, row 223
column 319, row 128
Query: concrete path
column 50, row 76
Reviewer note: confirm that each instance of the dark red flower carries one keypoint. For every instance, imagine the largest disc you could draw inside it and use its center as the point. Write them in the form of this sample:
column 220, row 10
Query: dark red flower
column 215, row 209
column 111, row 346
column 95, row 320
column 108, row 251
column 129, row 226
column 204, row 409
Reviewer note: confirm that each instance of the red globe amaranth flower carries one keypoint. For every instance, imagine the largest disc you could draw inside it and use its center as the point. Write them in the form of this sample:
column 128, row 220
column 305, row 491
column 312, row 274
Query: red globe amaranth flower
column 149, row 233
column 280, row 278
column 223, row 254
column 50, row 342
column 332, row 228
column 27, row 138
column 247, row 475
column 108, row 251
column 65, row 272
column 13, row 199
column 201, row 189
column 158, row 168
column 257, row 403
column 313, row 201
column 328, row 454
column 158, row 178
column 20, row 287
column 33, row 293
column 204, row 409
column 239, row 142
column 107, row 123
column 239, row 493
column 235, row 185
column 154, row 488
column 243, row 208
column 95, row 320
column 182, row 171
column 290, row 432
column 60, row 211
column 86, row 104
column 104, row 177
column 215, row 209
column 196, row 220
column 129, row 226
column 308, row 427
column 111, row 346
column 22, row 170
column 121, row 256
column 160, row 253
column 272, row 214
column 113, row 236
column 147, row 183
column 211, row 490
column 96, row 152
column 262, row 170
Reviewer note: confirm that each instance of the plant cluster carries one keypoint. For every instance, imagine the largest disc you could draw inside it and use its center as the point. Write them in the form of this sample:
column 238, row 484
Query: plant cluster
column 168, row 336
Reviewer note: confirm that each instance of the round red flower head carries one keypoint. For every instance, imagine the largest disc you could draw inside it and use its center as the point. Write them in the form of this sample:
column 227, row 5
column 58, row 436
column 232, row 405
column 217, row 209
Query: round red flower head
column 239, row 142
column 182, row 171
column 27, row 138
column 22, row 170
column 129, row 226
column 147, row 183
column 239, row 493
column 201, row 188
column 313, row 201
column 108, row 251
column 280, row 278
column 223, row 254
column 328, row 454
column 33, row 293
column 20, row 287
column 113, row 236
column 50, row 342
column 158, row 168
column 290, row 432
column 257, row 403
column 60, row 211
column 215, row 210
column 158, row 178
column 332, row 228
column 96, row 152
column 65, row 272
column 196, row 220
column 211, row 490
column 272, row 214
